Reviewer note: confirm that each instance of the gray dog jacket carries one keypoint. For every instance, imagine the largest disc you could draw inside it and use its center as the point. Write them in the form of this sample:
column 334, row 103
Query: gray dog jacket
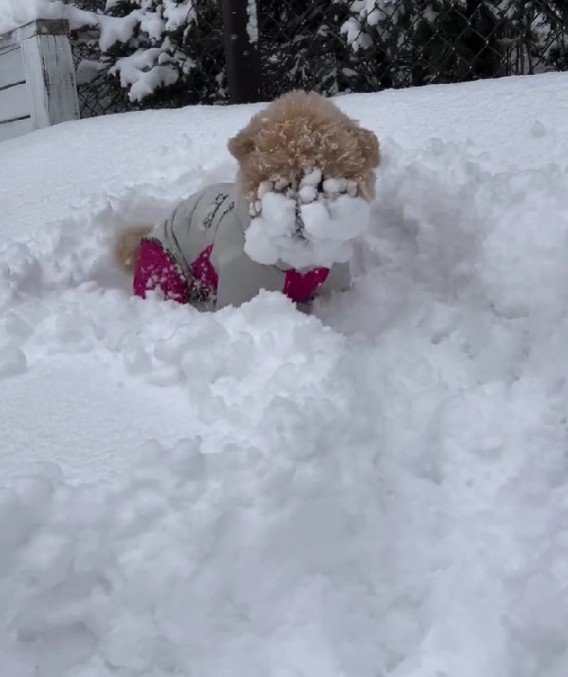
column 197, row 255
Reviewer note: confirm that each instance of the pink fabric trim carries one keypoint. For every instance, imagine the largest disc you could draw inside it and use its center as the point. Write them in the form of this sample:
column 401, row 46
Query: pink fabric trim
column 205, row 279
column 157, row 270
column 302, row 287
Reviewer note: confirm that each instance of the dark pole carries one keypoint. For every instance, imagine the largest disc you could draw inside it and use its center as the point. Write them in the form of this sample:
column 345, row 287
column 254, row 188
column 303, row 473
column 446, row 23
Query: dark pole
column 242, row 50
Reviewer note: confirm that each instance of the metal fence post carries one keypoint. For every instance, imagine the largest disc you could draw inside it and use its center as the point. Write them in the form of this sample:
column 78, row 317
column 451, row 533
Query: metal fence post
column 242, row 52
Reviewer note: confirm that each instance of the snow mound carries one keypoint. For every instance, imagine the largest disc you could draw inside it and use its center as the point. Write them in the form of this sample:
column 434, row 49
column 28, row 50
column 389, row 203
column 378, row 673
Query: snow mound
column 380, row 488
column 311, row 224
column 151, row 571
column 151, row 568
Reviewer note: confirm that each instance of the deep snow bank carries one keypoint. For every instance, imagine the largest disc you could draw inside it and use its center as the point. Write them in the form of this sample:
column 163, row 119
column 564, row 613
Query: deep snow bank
column 381, row 489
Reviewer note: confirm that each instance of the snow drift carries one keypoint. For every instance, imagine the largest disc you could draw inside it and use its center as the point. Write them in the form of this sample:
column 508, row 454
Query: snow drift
column 379, row 489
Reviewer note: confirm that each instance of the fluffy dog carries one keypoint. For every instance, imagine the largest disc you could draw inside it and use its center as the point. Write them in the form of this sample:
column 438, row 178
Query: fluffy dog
column 305, row 177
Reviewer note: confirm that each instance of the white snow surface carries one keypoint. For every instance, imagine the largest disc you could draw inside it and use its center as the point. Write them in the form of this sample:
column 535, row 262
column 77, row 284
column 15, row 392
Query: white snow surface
column 379, row 489
column 14, row 13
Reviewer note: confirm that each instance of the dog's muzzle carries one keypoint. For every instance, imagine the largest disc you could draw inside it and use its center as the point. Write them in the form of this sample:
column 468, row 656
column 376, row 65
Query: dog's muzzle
column 305, row 223
column 313, row 186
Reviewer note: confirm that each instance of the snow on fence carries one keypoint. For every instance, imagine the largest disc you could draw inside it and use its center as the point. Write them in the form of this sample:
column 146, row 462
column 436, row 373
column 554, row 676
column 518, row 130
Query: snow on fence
column 37, row 80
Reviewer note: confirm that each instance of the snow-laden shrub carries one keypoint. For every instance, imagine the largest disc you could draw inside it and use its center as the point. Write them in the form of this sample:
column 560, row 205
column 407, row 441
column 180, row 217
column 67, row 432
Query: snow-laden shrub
column 148, row 34
column 163, row 52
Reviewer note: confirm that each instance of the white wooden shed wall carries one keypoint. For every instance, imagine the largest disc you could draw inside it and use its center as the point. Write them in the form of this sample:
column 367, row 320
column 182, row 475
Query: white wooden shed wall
column 37, row 80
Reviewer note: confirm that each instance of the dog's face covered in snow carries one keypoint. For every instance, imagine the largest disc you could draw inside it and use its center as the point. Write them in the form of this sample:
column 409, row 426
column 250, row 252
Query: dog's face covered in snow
column 307, row 172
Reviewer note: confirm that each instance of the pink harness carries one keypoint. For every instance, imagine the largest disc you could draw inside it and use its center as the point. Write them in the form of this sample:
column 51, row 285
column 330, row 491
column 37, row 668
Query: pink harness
column 157, row 270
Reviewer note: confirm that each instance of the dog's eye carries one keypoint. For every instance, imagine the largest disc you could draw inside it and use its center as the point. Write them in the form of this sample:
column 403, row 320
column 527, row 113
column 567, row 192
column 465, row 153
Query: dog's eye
column 281, row 184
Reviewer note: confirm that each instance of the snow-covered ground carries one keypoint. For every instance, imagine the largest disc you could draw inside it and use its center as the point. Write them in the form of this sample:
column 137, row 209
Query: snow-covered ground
column 380, row 489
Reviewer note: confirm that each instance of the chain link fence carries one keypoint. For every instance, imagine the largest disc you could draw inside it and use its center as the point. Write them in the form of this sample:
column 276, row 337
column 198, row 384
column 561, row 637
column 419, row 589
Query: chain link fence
column 367, row 46
column 334, row 46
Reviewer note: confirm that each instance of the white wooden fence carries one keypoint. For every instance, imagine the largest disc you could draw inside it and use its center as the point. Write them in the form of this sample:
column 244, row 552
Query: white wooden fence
column 37, row 80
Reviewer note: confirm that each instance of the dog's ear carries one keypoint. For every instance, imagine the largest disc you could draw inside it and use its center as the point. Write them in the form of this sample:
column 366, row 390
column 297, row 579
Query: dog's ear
column 241, row 145
column 369, row 145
